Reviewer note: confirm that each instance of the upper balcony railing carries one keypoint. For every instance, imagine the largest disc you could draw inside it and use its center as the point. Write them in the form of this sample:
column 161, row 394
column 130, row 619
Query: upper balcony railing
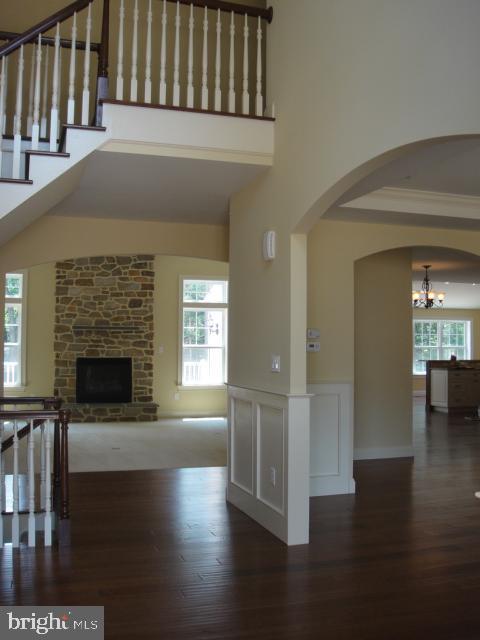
column 204, row 55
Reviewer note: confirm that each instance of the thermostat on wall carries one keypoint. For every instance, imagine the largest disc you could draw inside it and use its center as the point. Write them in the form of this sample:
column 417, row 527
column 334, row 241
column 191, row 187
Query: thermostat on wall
column 313, row 333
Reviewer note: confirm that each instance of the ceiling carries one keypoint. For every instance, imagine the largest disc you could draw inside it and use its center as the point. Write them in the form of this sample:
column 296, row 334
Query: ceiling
column 455, row 272
column 149, row 187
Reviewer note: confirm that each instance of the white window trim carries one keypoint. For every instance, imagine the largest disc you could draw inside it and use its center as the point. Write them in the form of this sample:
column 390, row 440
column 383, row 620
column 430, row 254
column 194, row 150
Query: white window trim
column 469, row 346
column 23, row 346
column 199, row 305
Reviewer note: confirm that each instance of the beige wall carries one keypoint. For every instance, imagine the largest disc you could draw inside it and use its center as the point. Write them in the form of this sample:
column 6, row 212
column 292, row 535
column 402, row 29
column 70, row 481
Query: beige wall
column 452, row 314
column 193, row 402
column 346, row 103
column 54, row 238
column 383, row 347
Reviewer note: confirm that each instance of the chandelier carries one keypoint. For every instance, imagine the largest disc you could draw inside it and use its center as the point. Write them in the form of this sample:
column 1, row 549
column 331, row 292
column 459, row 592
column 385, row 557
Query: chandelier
column 427, row 297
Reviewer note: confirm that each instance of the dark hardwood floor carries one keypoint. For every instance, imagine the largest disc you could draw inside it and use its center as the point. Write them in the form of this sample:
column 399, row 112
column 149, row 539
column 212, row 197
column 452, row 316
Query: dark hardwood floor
column 169, row 559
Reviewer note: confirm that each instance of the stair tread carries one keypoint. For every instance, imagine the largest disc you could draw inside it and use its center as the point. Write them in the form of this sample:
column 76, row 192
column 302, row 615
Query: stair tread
column 39, row 152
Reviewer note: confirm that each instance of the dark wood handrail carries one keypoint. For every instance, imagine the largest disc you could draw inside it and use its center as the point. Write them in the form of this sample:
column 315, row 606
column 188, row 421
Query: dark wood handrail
column 46, row 24
column 223, row 5
column 48, row 402
column 47, row 40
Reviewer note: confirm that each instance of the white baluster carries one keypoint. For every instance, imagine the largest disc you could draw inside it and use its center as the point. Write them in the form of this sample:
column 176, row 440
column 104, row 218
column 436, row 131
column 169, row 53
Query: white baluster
column 17, row 125
column 148, row 56
column 205, row 61
column 3, row 488
column 30, row 93
column 176, row 60
column 3, row 92
column 162, row 99
column 15, row 517
column 54, row 109
column 48, row 488
column 31, row 486
column 133, row 80
column 2, row 472
column 59, row 88
column 71, row 75
column 218, row 64
column 119, row 92
column 231, row 80
column 190, row 89
column 43, row 473
column 259, row 96
column 36, row 97
column 245, row 94
column 44, row 120
column 86, row 71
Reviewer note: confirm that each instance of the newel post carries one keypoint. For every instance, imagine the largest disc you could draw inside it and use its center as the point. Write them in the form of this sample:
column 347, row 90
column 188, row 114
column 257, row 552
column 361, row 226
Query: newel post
column 102, row 74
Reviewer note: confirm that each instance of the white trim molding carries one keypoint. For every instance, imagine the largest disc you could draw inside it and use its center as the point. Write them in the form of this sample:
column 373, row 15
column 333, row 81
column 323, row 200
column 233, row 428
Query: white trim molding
column 375, row 453
column 415, row 201
column 268, row 444
column 331, row 439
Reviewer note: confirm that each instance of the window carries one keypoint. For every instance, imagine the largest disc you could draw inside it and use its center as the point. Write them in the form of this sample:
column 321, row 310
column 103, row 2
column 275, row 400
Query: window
column 14, row 330
column 438, row 340
column 204, row 332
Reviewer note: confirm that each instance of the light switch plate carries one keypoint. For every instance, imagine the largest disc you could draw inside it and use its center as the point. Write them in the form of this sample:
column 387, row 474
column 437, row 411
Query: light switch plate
column 275, row 364
column 313, row 347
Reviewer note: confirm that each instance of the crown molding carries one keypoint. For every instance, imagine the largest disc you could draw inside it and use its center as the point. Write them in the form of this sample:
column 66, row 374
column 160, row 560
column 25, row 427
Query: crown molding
column 416, row 201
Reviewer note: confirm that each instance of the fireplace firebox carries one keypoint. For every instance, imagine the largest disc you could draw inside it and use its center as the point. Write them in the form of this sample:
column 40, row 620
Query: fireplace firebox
column 104, row 380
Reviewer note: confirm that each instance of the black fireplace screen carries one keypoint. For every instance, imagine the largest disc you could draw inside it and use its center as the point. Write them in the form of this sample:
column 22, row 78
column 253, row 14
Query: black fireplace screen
column 104, row 380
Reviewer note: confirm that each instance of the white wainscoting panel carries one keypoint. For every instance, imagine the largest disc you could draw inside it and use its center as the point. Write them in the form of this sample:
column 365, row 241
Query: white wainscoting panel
column 242, row 445
column 331, row 439
column 268, row 440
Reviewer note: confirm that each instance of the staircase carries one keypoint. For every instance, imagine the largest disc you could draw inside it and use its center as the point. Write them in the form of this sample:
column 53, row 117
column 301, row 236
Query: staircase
column 35, row 504
column 52, row 113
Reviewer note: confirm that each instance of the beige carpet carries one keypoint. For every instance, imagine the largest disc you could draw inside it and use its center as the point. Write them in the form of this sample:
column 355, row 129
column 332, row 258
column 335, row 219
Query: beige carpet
column 162, row 444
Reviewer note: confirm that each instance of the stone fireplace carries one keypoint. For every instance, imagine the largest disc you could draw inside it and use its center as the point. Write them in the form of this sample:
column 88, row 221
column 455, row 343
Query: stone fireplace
column 104, row 337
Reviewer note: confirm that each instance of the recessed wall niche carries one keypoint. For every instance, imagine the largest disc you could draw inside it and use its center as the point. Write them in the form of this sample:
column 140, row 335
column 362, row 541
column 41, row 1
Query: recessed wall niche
column 104, row 309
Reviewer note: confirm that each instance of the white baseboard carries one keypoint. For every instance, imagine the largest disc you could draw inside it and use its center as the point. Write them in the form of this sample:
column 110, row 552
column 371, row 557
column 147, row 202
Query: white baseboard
column 165, row 415
column 377, row 453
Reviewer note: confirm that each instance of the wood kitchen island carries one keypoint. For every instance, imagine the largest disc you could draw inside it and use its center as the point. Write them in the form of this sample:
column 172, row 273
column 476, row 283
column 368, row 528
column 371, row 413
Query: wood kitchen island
column 453, row 386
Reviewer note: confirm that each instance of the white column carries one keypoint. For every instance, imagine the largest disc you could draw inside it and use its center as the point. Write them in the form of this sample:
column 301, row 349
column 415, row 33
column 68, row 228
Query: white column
column 30, row 93
column 133, row 78
column 54, row 109
column 31, row 486
column 259, row 95
column 119, row 91
column 190, row 91
column 44, row 119
column 205, row 61
column 17, row 125
column 48, row 488
column 231, row 79
column 218, row 64
column 15, row 517
column 36, row 97
column 162, row 99
column 86, row 70
column 43, row 472
column 176, row 60
column 245, row 94
column 71, row 75
column 148, row 56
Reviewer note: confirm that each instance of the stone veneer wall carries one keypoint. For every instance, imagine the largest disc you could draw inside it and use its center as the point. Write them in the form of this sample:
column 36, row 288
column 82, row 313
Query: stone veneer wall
column 104, row 308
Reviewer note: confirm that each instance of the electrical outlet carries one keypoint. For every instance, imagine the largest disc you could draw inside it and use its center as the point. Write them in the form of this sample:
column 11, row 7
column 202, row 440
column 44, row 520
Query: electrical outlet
column 176, row 396
column 275, row 364
column 161, row 349
column 273, row 476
